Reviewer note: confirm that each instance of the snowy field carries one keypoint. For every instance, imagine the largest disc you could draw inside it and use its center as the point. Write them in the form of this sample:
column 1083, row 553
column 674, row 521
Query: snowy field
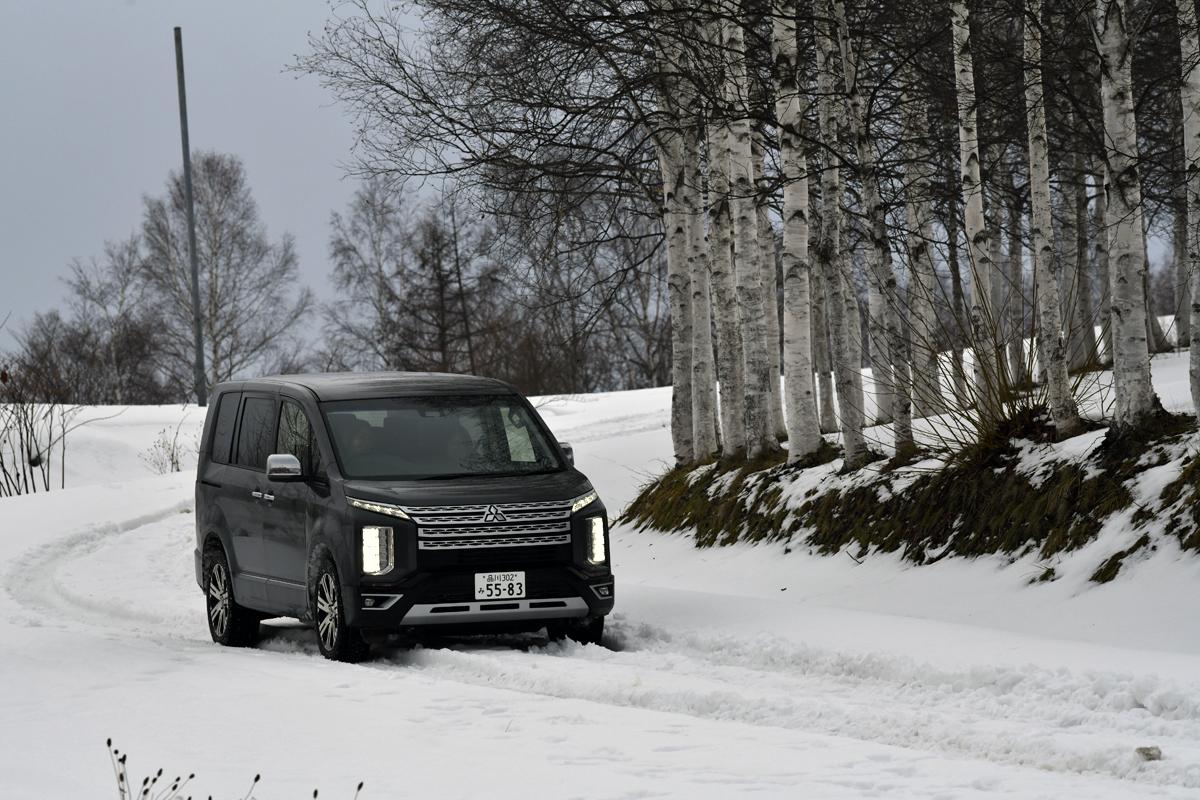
column 740, row 672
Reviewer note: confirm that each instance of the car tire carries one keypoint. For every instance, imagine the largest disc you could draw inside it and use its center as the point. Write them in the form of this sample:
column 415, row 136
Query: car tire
column 229, row 624
column 337, row 640
column 585, row 631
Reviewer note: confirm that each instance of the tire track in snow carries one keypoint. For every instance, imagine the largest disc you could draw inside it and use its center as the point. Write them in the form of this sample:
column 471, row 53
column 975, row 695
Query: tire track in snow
column 1056, row 721
column 33, row 580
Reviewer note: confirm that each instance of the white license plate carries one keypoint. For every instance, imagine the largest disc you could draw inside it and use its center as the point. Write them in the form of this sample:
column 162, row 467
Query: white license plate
column 499, row 585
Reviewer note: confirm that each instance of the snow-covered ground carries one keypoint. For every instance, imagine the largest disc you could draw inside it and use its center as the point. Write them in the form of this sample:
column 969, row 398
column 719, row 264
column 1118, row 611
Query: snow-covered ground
column 743, row 671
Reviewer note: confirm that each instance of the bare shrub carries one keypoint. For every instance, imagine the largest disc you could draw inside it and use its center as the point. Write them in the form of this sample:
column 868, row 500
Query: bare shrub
column 156, row 787
column 168, row 452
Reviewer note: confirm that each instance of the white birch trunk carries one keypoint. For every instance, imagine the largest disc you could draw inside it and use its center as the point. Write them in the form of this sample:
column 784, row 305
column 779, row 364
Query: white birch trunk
column 1068, row 260
column 760, row 439
column 1050, row 339
column 922, row 278
column 1083, row 322
column 822, row 355
column 1016, row 297
column 854, row 319
column 996, row 295
column 993, row 209
column 847, row 370
column 770, row 281
column 982, row 329
column 704, row 390
column 1100, row 250
column 675, row 224
column 1135, row 396
column 730, row 367
column 803, row 428
column 1183, row 289
column 958, row 369
column 883, row 315
column 1189, row 95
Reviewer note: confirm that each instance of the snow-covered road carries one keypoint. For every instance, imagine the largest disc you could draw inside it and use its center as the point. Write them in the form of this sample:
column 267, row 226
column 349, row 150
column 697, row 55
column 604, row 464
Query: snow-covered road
column 741, row 672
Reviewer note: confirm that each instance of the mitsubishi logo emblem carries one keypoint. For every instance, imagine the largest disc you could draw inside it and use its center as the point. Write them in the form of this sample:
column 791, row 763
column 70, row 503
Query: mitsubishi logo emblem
column 494, row 514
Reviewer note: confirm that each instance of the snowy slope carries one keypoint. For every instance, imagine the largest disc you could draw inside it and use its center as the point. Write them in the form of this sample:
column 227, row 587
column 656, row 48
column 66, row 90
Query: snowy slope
column 736, row 672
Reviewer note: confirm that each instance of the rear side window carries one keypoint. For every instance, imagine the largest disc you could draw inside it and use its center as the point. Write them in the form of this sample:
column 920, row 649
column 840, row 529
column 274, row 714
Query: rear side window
column 257, row 432
column 222, row 437
column 296, row 437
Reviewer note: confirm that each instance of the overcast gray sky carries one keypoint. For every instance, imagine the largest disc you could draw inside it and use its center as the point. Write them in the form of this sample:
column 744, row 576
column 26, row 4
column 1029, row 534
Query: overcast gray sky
column 89, row 123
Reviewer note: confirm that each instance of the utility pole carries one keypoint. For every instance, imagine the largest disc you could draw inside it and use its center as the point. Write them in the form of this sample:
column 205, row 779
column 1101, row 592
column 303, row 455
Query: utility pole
column 201, row 383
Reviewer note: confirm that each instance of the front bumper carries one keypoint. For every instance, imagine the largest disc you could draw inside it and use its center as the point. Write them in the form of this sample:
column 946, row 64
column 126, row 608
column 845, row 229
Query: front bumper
column 425, row 599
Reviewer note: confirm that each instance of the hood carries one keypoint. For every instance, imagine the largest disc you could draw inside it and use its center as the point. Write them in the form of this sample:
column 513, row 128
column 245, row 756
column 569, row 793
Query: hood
column 564, row 485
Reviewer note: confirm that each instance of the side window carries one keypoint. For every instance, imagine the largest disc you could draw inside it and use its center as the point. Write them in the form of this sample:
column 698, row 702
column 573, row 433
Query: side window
column 222, row 437
column 255, row 434
column 296, row 437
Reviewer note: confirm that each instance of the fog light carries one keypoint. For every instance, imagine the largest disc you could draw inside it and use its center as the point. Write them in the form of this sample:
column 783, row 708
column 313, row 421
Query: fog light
column 596, row 553
column 378, row 554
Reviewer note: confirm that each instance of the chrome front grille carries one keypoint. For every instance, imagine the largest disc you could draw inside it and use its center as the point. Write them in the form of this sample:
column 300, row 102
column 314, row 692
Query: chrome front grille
column 484, row 525
column 492, row 541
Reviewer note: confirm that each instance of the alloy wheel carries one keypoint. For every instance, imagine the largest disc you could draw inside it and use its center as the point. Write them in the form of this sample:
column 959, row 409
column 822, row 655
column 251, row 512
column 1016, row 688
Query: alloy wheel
column 327, row 611
column 218, row 600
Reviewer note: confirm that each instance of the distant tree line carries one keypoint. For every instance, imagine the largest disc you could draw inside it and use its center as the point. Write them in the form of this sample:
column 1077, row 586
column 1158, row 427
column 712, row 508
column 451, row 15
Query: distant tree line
column 438, row 286
column 425, row 283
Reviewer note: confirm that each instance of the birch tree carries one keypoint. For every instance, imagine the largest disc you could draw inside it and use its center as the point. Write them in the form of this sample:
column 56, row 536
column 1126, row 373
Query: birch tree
column 1076, row 265
column 760, row 439
column 1050, row 339
column 1189, row 95
column 670, row 147
column 822, row 355
column 881, row 279
column 704, row 410
column 249, row 300
column 831, row 252
column 958, row 368
column 922, row 277
column 1135, row 397
column 803, row 428
column 730, row 364
column 1016, row 304
column 986, row 372
column 770, row 283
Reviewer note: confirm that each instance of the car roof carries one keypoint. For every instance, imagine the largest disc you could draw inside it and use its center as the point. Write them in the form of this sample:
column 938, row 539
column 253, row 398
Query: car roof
column 330, row 386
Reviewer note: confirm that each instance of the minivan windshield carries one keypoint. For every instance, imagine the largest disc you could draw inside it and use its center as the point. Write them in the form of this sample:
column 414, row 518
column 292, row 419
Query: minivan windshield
column 438, row 437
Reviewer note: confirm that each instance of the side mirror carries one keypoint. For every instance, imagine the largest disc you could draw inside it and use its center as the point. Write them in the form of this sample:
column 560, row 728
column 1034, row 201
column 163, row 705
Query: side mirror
column 569, row 452
column 284, row 467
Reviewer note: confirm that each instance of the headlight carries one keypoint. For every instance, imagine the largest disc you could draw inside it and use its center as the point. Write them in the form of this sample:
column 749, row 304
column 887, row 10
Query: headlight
column 378, row 554
column 379, row 508
column 596, row 552
column 583, row 502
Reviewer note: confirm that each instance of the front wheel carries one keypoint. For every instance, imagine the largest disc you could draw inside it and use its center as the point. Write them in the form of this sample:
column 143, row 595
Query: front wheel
column 229, row 624
column 337, row 640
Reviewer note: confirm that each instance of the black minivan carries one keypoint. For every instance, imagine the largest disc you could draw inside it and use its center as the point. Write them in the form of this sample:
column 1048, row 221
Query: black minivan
column 375, row 504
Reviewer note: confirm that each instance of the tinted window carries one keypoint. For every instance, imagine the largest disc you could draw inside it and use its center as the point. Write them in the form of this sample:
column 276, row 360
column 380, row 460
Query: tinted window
column 257, row 432
column 296, row 437
column 222, row 437
column 438, row 437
